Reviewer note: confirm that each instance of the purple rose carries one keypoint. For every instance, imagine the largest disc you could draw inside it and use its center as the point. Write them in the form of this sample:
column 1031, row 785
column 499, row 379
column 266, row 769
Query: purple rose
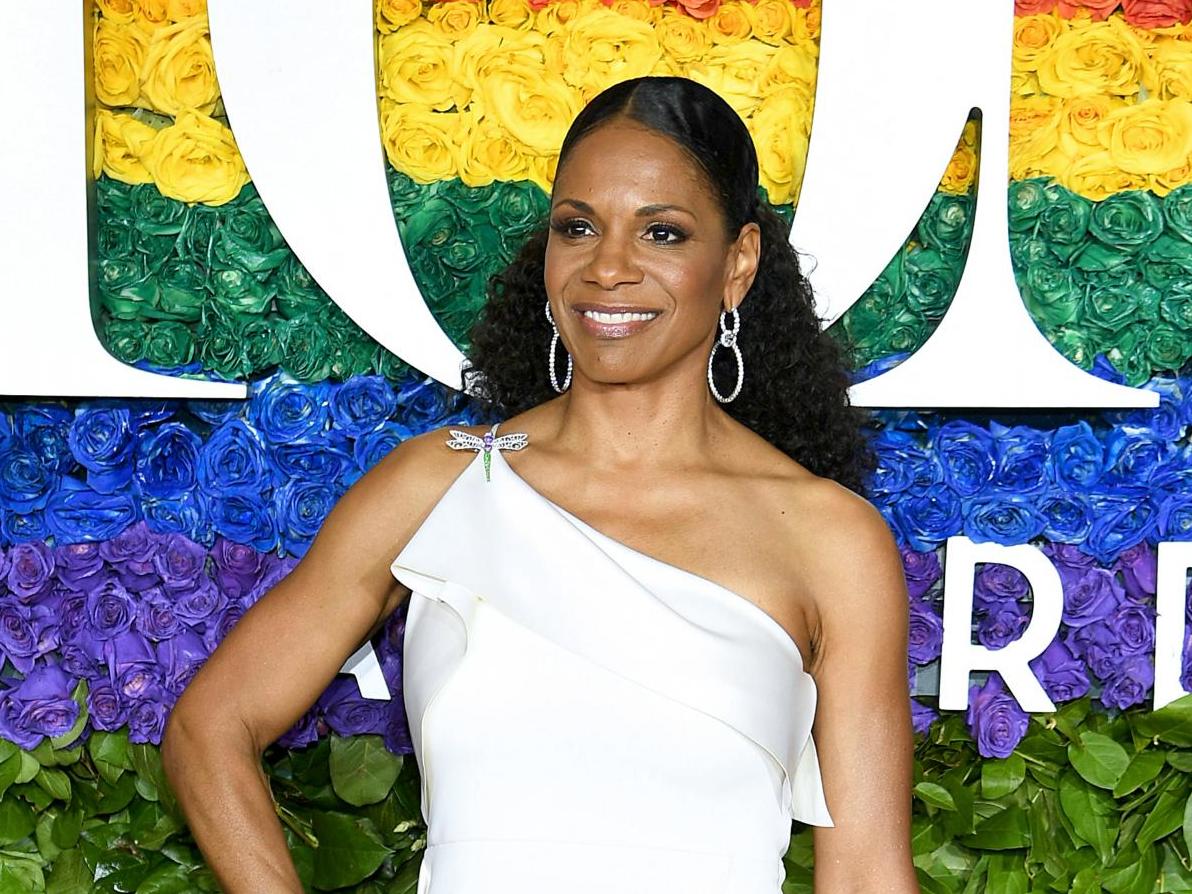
column 350, row 714
column 922, row 569
column 217, row 629
column 131, row 660
column 18, row 638
column 180, row 562
column 1134, row 626
column 83, row 658
column 922, row 716
column 276, row 568
column 30, row 568
column 1186, row 676
column 926, row 633
column 147, row 719
column 110, row 609
column 203, row 602
column 107, row 708
column 397, row 729
column 995, row 719
column 995, row 584
column 1139, row 567
column 1097, row 645
column 156, row 618
column 1000, row 627
column 304, row 731
column 180, row 659
column 131, row 556
column 72, row 616
column 1128, row 686
column 1089, row 595
column 1066, row 555
column 1062, row 674
column 39, row 706
column 238, row 567
column 79, row 565
column 3, row 563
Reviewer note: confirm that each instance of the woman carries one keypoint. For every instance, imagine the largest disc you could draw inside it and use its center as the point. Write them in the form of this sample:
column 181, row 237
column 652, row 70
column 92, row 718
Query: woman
column 637, row 593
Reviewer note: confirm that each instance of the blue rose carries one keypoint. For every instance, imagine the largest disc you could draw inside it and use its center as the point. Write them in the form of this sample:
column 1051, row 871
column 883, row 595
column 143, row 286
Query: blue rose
column 1168, row 420
column 184, row 515
column 1077, row 456
column 1022, row 457
column 46, row 432
column 302, row 507
column 233, row 461
column 20, row 527
column 1005, row 518
column 284, row 410
column 902, row 465
column 166, row 461
column 1174, row 519
column 78, row 513
column 101, row 440
column 26, row 482
column 361, row 404
column 966, row 453
column 215, row 412
column 926, row 521
column 370, row 448
column 1134, row 455
column 1068, row 516
column 244, row 517
column 424, row 404
column 1120, row 521
column 325, row 457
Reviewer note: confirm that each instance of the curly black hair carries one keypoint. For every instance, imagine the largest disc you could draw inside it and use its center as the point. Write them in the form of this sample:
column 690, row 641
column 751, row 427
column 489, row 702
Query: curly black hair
column 795, row 393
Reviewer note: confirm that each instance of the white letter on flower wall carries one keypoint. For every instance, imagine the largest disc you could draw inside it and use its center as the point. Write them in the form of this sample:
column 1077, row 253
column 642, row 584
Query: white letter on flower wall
column 961, row 656
column 300, row 87
column 48, row 345
column 896, row 83
column 1174, row 560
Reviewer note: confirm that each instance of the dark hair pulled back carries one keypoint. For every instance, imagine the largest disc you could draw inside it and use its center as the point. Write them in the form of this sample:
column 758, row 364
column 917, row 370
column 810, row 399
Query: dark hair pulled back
column 795, row 393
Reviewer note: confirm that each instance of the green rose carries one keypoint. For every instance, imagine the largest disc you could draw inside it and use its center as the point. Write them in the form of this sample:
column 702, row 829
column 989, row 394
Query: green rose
column 1166, row 346
column 304, row 349
column 156, row 249
column 112, row 200
column 1127, row 220
column 470, row 200
column 863, row 321
column 298, row 295
column 947, row 223
column 125, row 290
column 155, row 215
column 1177, row 211
column 1064, row 222
column 262, row 348
column 221, row 346
column 169, row 343
column 931, row 280
column 1050, row 292
column 238, row 291
column 1098, row 258
column 183, row 290
column 1129, row 357
column 113, row 239
column 1167, row 258
column 388, row 364
column 197, row 238
column 352, row 357
column 1075, row 344
column 247, row 238
column 1027, row 199
column 1110, row 309
column 1176, row 304
column 1025, row 250
column 405, row 193
column 905, row 331
column 124, row 339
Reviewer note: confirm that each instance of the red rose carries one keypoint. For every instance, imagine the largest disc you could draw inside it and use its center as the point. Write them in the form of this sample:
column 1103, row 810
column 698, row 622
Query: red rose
column 1157, row 13
column 1099, row 9
column 699, row 9
column 1032, row 7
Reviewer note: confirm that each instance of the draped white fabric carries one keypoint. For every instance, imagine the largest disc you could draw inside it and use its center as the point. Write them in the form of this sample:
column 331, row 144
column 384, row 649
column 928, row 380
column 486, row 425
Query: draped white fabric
column 587, row 717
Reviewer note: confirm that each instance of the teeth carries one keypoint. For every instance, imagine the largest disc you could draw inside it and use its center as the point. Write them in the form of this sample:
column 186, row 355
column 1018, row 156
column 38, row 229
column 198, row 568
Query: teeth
column 601, row 317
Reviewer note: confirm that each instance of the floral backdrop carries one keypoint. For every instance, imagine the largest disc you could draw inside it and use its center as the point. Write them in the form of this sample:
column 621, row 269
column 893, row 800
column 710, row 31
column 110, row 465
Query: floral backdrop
column 134, row 534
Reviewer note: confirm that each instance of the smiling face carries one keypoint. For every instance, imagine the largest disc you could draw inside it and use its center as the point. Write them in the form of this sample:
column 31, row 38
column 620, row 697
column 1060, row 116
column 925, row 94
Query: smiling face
column 638, row 265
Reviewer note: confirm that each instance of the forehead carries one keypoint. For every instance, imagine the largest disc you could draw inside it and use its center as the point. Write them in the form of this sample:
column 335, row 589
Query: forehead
column 628, row 159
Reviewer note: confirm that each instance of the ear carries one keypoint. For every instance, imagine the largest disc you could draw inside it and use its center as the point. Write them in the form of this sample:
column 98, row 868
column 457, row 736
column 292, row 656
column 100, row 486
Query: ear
column 743, row 257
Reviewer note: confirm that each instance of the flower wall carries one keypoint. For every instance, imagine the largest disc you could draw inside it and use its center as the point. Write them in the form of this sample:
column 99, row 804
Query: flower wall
column 134, row 534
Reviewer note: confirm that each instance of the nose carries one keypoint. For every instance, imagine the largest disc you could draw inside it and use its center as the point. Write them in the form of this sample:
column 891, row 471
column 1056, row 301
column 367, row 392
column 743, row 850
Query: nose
column 612, row 262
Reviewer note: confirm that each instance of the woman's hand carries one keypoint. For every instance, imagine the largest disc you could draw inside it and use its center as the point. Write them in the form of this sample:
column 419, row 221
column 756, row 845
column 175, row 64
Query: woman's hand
column 283, row 653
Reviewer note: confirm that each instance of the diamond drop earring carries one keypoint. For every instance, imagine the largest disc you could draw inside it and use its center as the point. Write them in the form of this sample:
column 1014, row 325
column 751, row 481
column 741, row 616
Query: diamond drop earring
column 728, row 338
column 554, row 340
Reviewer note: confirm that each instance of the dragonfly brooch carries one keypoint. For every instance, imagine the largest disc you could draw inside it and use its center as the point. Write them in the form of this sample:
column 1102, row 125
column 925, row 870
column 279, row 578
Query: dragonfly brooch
column 462, row 440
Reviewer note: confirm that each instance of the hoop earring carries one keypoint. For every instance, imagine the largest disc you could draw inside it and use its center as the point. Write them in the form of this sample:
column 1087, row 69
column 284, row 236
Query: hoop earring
column 728, row 338
column 554, row 340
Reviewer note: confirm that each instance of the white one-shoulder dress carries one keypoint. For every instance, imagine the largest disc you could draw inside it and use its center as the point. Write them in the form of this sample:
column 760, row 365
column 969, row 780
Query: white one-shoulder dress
column 587, row 718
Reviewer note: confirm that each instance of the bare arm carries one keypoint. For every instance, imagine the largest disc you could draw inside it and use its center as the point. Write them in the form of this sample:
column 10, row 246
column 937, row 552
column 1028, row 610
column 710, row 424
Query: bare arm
column 863, row 727
column 282, row 654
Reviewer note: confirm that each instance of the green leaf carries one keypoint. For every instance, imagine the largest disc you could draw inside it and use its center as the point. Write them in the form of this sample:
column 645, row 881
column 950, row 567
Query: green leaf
column 936, row 795
column 1144, row 767
column 1164, row 818
column 69, row 874
column 168, row 879
column 1007, row 875
column 16, row 821
column 363, row 769
column 1004, row 830
column 29, row 768
column 1172, row 723
column 20, row 876
column 1181, row 760
column 1092, row 813
column 1002, row 777
column 1099, row 759
column 111, row 748
column 10, row 769
column 54, row 783
column 1188, row 823
column 1133, row 872
column 349, row 851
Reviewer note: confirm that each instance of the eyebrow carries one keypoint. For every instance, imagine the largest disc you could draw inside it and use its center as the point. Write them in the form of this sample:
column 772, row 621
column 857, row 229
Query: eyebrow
column 643, row 211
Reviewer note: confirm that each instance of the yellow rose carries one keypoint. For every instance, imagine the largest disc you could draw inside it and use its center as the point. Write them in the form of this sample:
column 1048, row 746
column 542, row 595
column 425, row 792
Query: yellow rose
column 1080, row 122
column 1033, row 35
column 770, row 19
column 805, row 25
column 1094, row 58
column 180, row 10
column 511, row 14
column 196, row 160
column 961, row 171
column 781, row 148
column 487, row 153
column 1034, row 134
column 121, row 11
column 1096, row 176
column 120, row 140
column 542, row 170
column 1172, row 60
column 1148, row 138
column 179, row 69
column 418, row 65
column 392, row 14
column 119, row 54
column 730, row 23
column 557, row 14
column 155, row 12
column 478, row 46
column 969, row 135
column 601, row 48
column 454, row 20
column 1162, row 184
column 635, row 9
column 683, row 39
column 735, row 72
column 534, row 109
column 789, row 66
column 420, row 142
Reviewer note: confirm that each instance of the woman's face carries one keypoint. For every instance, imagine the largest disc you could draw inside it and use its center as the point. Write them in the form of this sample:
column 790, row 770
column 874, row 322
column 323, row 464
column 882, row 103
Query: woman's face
column 638, row 266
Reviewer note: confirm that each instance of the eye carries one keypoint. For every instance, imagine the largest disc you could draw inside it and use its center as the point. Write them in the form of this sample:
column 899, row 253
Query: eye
column 667, row 230
column 571, row 228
